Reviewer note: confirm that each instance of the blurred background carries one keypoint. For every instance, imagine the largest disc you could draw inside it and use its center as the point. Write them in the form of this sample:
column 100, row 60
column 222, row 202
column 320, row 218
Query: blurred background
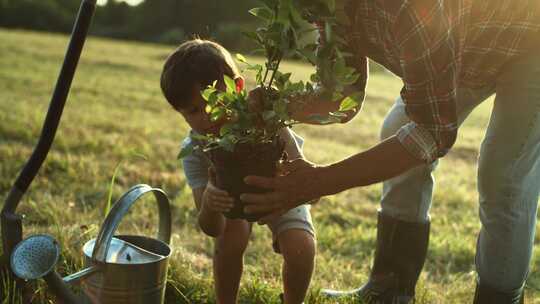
column 160, row 21
column 117, row 131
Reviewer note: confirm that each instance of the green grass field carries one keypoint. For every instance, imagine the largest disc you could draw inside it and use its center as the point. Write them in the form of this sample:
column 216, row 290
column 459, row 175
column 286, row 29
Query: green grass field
column 115, row 114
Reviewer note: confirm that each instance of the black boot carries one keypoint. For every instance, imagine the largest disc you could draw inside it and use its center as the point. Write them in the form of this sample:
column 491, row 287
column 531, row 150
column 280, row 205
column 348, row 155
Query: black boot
column 399, row 258
column 487, row 295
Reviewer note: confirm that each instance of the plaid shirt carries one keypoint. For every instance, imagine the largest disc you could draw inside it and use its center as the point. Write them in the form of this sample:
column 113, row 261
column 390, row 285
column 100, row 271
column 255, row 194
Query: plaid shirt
column 436, row 46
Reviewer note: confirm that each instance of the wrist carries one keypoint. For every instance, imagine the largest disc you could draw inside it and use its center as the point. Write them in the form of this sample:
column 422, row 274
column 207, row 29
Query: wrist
column 331, row 179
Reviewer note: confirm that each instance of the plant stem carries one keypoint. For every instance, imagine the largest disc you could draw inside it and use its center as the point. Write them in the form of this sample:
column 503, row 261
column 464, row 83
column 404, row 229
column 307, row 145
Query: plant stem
column 274, row 72
column 265, row 75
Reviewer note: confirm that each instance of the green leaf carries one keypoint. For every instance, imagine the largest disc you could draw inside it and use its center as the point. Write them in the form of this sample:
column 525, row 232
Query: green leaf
column 230, row 83
column 216, row 113
column 337, row 114
column 185, row 151
column 324, row 120
column 331, row 4
column 336, row 95
column 262, row 12
column 207, row 92
column 253, row 36
column 241, row 58
column 348, row 104
column 351, row 101
column 229, row 98
column 199, row 137
column 285, row 7
column 225, row 129
column 228, row 142
column 285, row 77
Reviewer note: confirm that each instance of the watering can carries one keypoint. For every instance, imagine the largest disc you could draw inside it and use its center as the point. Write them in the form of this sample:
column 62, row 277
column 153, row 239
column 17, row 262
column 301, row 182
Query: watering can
column 120, row 269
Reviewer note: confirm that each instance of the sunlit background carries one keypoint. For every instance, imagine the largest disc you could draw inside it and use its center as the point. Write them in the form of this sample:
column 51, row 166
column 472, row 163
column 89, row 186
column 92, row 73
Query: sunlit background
column 130, row 2
column 116, row 113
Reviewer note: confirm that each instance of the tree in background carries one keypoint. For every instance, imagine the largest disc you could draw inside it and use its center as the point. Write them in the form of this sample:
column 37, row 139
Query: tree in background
column 162, row 21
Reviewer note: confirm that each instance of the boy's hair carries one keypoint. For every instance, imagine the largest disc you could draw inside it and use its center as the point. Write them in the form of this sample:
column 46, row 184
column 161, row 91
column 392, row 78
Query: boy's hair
column 193, row 66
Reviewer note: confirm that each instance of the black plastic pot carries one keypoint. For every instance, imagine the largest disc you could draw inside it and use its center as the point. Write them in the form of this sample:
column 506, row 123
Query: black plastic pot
column 232, row 167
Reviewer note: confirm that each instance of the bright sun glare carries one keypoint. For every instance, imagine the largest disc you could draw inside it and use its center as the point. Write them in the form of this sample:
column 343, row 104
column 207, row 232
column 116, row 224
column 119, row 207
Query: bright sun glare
column 131, row 2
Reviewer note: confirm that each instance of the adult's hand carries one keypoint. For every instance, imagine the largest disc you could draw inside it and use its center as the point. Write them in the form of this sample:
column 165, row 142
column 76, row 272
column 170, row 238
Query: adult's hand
column 296, row 184
column 307, row 181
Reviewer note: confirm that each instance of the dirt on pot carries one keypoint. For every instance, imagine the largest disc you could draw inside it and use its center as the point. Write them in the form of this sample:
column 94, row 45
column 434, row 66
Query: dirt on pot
column 247, row 159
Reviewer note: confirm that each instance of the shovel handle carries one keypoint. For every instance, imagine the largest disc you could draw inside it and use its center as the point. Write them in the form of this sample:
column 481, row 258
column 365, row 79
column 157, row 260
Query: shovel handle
column 120, row 209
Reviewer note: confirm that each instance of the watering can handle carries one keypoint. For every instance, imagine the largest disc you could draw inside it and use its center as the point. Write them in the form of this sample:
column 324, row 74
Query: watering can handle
column 120, row 209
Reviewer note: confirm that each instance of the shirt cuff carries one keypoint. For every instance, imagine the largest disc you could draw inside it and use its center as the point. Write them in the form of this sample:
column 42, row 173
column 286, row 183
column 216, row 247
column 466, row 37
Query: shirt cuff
column 418, row 141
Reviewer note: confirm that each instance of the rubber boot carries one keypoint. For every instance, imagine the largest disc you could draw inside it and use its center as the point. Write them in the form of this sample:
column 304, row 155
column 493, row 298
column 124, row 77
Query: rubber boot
column 487, row 295
column 399, row 257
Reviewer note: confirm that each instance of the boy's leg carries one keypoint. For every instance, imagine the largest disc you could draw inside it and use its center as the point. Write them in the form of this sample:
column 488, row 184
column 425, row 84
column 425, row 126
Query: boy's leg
column 509, row 183
column 294, row 237
column 298, row 250
column 229, row 259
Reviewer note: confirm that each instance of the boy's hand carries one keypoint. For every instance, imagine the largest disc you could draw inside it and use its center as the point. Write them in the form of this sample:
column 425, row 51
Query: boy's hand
column 215, row 199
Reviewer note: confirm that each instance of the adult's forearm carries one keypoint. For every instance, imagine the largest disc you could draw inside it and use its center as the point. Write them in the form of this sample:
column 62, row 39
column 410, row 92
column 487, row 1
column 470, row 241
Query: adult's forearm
column 384, row 161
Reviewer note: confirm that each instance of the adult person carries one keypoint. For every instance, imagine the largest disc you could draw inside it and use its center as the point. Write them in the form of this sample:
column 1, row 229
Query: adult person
column 451, row 55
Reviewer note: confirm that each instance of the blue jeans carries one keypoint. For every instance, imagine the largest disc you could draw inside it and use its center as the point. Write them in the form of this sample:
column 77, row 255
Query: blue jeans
column 508, row 174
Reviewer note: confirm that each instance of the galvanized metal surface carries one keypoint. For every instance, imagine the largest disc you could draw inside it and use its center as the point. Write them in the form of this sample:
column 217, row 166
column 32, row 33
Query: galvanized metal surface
column 123, row 283
column 35, row 257
column 124, row 269
column 120, row 209
column 133, row 269
column 122, row 252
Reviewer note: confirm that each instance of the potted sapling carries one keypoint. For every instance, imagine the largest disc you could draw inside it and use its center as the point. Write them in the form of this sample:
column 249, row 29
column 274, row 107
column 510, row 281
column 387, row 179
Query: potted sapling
column 248, row 142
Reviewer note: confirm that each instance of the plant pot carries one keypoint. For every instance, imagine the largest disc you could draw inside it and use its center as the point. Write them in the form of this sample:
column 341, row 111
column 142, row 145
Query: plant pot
column 247, row 159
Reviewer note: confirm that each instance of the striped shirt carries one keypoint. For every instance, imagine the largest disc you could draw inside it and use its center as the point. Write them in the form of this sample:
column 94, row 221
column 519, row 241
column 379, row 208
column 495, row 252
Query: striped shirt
column 436, row 46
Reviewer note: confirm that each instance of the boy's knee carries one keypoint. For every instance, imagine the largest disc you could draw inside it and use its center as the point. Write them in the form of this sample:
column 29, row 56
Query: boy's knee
column 298, row 247
column 231, row 250
column 230, row 245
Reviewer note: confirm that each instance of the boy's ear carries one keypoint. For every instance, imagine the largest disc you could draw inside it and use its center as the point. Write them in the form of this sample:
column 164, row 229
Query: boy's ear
column 239, row 81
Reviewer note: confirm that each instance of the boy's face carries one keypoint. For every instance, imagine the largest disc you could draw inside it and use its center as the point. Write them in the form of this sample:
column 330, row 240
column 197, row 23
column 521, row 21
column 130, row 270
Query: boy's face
column 197, row 118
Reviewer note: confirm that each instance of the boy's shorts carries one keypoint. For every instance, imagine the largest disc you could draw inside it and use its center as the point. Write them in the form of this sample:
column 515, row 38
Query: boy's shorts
column 297, row 218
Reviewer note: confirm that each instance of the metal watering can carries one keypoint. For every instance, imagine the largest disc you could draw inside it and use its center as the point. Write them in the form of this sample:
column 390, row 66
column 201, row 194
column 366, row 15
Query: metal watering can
column 120, row 269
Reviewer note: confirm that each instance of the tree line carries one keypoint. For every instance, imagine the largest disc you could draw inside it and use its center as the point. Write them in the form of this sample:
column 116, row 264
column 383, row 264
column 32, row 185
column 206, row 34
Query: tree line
column 160, row 21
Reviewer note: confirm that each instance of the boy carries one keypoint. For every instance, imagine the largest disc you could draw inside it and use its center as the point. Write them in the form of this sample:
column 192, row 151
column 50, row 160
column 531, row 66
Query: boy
column 188, row 70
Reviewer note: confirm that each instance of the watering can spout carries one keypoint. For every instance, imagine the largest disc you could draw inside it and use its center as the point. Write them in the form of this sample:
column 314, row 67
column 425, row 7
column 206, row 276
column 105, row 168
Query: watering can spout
column 114, row 262
column 59, row 287
column 36, row 257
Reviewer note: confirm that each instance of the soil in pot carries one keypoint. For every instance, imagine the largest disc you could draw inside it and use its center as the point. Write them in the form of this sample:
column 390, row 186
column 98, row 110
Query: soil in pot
column 246, row 159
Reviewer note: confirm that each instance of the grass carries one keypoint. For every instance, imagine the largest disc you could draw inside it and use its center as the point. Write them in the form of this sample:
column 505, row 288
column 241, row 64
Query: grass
column 115, row 111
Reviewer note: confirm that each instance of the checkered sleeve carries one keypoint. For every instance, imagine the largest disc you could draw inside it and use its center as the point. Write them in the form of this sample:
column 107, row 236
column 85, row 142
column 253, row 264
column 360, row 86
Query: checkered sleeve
column 424, row 34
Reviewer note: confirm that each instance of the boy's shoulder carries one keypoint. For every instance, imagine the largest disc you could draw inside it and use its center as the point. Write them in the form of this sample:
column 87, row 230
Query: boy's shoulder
column 191, row 140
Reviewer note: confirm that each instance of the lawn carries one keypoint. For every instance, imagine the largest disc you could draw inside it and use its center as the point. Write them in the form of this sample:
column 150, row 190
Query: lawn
column 116, row 116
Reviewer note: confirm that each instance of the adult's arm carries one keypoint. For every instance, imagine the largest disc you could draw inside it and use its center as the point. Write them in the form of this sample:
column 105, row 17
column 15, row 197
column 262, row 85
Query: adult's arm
column 303, row 107
column 427, row 38
column 428, row 59
column 307, row 181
